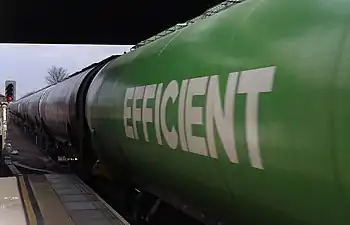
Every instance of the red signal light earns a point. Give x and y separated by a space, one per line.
9 99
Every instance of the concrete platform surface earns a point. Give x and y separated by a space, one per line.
53 199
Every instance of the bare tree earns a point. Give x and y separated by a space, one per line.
56 74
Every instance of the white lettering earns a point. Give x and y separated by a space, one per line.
252 82
156 113
224 121
136 112
171 92
197 86
181 112
219 120
129 94
147 115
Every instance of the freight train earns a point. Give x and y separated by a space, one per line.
240 115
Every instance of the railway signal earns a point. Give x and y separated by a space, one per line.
10 90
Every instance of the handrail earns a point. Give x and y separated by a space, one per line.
209 12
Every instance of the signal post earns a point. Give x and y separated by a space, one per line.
3 123
10 95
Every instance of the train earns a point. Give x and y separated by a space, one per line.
239 117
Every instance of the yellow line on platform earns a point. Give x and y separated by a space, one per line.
26 200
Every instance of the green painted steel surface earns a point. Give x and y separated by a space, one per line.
281 133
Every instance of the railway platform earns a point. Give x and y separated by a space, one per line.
37 192
53 199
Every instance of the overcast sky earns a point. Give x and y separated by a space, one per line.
28 64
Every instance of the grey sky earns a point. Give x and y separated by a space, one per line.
28 64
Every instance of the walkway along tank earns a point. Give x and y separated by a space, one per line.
243 114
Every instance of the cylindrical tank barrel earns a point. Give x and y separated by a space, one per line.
58 105
33 106
244 114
